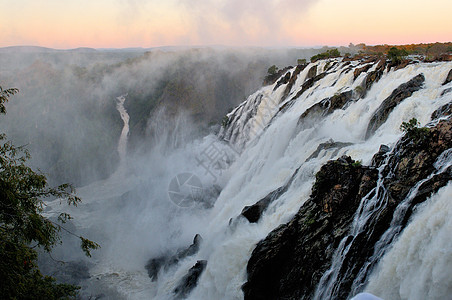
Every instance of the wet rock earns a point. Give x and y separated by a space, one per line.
404 91
312 72
290 261
358 71
190 280
373 76
446 91
287 264
379 157
327 146
272 78
254 212
283 80
448 78
403 64
154 265
327 106
292 81
443 111
306 85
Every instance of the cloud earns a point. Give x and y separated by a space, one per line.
243 22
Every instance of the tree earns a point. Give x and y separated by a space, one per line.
397 55
327 54
301 61
272 70
22 226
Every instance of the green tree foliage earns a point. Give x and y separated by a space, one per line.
22 226
397 55
413 130
301 61
272 70
327 54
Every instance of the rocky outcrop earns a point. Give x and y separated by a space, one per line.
358 71
327 146
448 78
404 91
306 85
443 111
154 265
290 261
272 78
327 106
312 72
283 80
292 81
190 280
254 212
378 158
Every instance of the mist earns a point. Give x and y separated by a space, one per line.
66 109
66 114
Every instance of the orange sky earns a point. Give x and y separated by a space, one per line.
150 23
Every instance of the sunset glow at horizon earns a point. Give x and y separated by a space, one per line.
150 23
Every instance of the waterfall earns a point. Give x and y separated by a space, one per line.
418 265
122 143
279 137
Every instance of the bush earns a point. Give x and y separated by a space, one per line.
413 131
397 55
272 70
327 54
301 61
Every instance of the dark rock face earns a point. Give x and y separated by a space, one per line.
327 106
272 78
328 145
254 212
443 111
292 80
446 91
290 261
283 80
398 95
378 158
312 72
154 265
373 76
448 78
358 71
306 85
190 280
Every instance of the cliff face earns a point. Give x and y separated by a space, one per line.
295 258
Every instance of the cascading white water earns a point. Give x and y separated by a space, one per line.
277 146
418 266
122 144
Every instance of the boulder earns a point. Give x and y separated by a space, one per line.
327 106
358 71
443 111
292 81
154 265
448 78
283 80
190 280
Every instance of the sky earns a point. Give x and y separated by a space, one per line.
64 24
